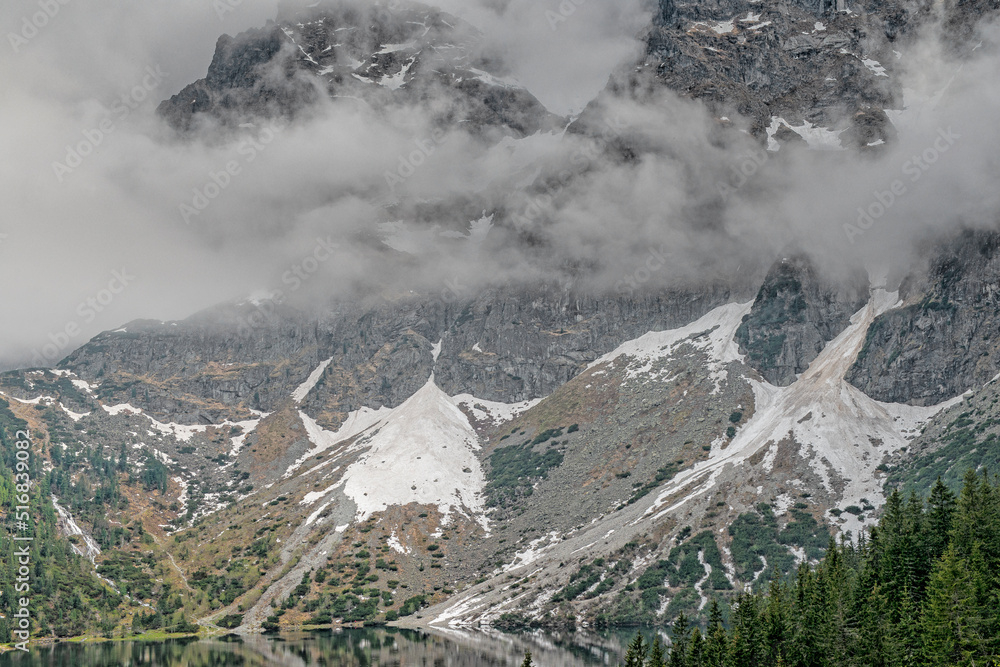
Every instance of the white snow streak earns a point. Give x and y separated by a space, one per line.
357 422
71 528
491 411
846 434
303 389
817 138
75 416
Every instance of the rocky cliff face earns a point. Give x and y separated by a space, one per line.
384 55
506 344
942 342
822 71
564 454
795 315
805 62
393 436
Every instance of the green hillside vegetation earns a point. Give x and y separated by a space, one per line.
922 590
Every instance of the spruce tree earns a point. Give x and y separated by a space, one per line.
716 642
527 660
776 625
679 643
941 509
747 645
950 619
656 656
696 652
636 654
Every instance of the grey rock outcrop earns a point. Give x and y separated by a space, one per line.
506 344
943 341
795 315
803 60
381 55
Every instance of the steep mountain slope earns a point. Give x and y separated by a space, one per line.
506 344
820 72
662 450
382 54
796 313
754 505
960 439
526 454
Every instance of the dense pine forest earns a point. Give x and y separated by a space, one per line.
923 588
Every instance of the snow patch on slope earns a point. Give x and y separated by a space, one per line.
874 66
356 423
47 400
70 528
115 410
75 416
817 138
426 443
712 334
491 411
394 544
248 427
535 549
313 496
843 433
303 389
184 432
424 453
181 432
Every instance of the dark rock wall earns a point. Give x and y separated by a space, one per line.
945 340
795 315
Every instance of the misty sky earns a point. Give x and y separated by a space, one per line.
63 235
91 247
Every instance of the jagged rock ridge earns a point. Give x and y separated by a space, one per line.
381 54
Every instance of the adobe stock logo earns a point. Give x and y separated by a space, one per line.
33 24
914 168
655 260
248 150
409 163
87 310
566 9
120 110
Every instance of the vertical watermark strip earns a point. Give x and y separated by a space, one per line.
22 537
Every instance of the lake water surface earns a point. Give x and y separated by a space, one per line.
366 647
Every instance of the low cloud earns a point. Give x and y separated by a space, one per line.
352 199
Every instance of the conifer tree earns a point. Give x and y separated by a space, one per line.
527 660
716 642
776 625
747 644
950 623
656 655
636 654
941 508
696 652
680 641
